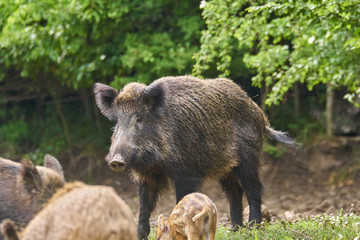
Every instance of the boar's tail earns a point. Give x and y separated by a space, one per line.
282 137
199 215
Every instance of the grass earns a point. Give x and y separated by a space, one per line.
319 227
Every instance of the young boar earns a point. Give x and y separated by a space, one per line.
25 188
187 130
193 218
79 211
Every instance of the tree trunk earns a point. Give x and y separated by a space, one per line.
85 99
64 122
329 109
66 131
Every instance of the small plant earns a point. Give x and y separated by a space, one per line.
274 151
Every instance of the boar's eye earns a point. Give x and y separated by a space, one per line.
139 123
139 120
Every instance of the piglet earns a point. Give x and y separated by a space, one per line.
193 218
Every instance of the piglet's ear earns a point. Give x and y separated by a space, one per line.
104 97
161 224
30 176
8 229
52 163
160 221
154 97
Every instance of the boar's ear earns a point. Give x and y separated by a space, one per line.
154 97
104 97
8 229
52 163
30 176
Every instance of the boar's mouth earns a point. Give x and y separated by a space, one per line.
117 163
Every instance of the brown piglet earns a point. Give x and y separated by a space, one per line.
79 211
193 218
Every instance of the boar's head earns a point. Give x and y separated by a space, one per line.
40 183
35 185
137 110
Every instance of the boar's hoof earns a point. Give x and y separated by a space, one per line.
117 164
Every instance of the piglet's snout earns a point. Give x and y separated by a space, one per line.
117 163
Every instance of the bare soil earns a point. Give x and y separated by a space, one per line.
321 178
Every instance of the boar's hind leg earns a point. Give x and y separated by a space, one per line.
185 185
249 180
148 196
234 192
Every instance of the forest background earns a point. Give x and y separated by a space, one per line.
299 60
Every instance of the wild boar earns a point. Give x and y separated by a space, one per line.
79 211
187 130
193 218
26 188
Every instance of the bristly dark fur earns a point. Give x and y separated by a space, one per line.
154 96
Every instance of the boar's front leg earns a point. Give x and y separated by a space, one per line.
148 196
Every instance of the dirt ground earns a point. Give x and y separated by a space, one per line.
321 178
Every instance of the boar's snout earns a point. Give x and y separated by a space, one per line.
117 163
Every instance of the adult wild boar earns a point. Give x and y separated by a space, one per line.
187 130
25 188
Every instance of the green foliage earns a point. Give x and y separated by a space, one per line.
307 125
319 227
288 41
274 151
21 131
77 42
14 134
50 47
32 135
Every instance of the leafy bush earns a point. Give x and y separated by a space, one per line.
311 42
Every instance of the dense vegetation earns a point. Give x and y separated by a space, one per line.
285 42
53 51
